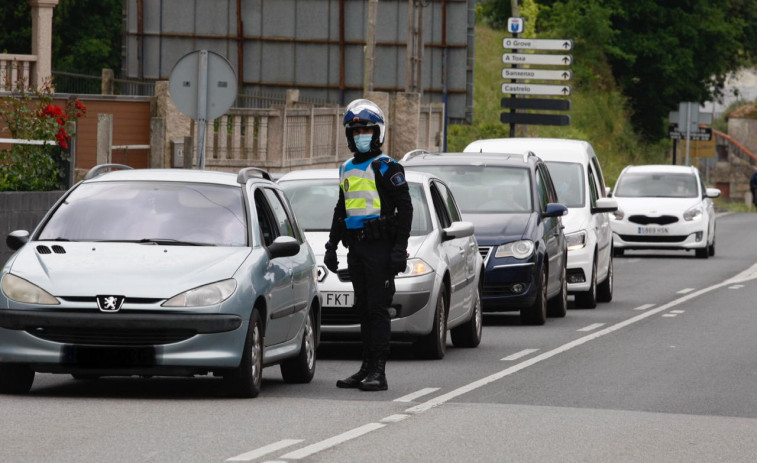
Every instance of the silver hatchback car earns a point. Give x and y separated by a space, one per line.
439 289
161 272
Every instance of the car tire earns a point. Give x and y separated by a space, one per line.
711 248
588 299
15 378
433 346
537 313
469 333
301 369
245 380
604 289
557 307
702 253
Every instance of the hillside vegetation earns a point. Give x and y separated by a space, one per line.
599 116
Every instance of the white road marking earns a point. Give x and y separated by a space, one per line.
751 273
644 307
736 287
249 456
670 315
685 290
677 311
520 354
416 394
591 327
395 418
332 441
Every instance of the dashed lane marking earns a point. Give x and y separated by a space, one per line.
520 354
416 394
395 418
333 441
257 453
591 327
685 290
644 307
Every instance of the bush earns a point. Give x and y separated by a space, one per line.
31 115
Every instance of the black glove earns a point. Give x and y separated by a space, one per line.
330 261
398 260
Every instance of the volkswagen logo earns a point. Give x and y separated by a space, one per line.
110 303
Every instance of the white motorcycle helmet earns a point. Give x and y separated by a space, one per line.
364 113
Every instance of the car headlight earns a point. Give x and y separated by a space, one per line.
575 240
519 249
211 294
693 213
415 267
21 290
618 214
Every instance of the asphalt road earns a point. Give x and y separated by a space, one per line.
666 372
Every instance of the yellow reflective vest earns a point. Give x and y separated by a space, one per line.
361 197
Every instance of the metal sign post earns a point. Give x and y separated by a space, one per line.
203 86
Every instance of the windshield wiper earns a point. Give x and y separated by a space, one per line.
171 242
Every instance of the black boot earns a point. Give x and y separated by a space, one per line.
376 379
354 381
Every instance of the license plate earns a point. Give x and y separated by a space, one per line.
653 231
342 299
104 357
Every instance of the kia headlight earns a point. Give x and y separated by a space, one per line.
575 240
415 267
211 294
693 213
20 290
522 249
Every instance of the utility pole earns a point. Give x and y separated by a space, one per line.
414 47
515 14
370 47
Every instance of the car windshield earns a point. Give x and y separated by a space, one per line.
314 200
656 185
150 212
568 179
485 190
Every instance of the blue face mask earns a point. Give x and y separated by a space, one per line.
363 142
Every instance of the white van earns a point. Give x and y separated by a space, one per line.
577 176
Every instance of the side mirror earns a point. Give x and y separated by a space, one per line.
284 246
713 192
605 205
16 239
457 230
555 210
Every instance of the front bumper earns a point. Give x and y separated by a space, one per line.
627 236
508 287
55 341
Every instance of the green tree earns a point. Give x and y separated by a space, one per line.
86 33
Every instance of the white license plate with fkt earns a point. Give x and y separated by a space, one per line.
653 230
338 299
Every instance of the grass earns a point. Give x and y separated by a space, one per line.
599 116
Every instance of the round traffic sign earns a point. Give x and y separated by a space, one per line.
211 71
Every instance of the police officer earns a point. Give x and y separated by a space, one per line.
372 218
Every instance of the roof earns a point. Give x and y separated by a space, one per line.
305 174
661 168
169 175
545 148
479 159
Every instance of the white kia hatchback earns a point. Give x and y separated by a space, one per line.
580 186
664 207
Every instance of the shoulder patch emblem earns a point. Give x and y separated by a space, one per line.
398 179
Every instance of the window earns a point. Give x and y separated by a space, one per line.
449 202
441 211
283 223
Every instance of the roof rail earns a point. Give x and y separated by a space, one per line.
97 170
244 174
413 153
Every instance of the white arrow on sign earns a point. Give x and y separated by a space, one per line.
537 44
536 89
532 58
536 74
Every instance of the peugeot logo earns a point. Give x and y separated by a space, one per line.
110 303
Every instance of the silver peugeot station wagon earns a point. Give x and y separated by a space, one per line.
161 272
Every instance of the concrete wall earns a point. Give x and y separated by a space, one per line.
22 210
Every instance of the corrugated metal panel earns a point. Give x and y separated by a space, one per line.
298 44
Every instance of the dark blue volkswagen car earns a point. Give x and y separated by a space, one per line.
513 205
